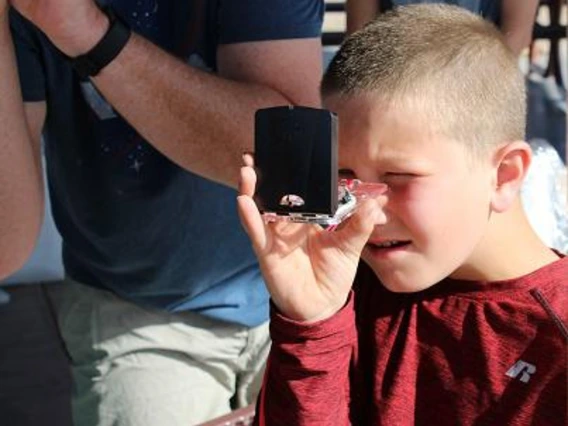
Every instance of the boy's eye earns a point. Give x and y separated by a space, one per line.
399 174
346 174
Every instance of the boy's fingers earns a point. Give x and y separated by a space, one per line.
248 211
358 229
252 222
247 181
248 159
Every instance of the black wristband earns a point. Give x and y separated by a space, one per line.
112 43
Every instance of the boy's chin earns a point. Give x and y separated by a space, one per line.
398 287
403 278
401 285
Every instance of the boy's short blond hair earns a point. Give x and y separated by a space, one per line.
449 62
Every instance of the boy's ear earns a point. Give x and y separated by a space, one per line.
511 163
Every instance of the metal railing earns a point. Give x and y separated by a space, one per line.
555 31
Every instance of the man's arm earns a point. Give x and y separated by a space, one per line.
517 20
202 121
21 188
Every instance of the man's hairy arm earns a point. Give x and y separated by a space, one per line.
201 121
21 189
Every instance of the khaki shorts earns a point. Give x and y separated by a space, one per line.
140 367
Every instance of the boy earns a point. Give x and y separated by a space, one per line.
458 315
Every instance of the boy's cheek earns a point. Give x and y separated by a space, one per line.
402 202
409 190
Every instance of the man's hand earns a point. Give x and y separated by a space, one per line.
308 271
74 26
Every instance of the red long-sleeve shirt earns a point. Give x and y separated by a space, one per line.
460 353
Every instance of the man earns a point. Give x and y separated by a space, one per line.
164 311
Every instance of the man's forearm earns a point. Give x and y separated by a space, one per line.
21 190
200 121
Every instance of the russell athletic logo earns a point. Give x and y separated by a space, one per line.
521 370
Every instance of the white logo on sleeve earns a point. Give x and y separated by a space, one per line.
522 369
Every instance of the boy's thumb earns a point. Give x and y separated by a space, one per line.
360 225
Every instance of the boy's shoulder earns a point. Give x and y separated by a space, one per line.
542 295
551 292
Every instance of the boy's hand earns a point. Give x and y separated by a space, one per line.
308 271
74 26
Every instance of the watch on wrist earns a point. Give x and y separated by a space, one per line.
108 48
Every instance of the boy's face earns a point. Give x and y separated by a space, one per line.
439 197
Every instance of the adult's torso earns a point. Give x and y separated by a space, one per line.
132 221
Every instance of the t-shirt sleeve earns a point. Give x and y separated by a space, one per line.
30 67
258 20
307 374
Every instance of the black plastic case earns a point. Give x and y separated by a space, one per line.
296 162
